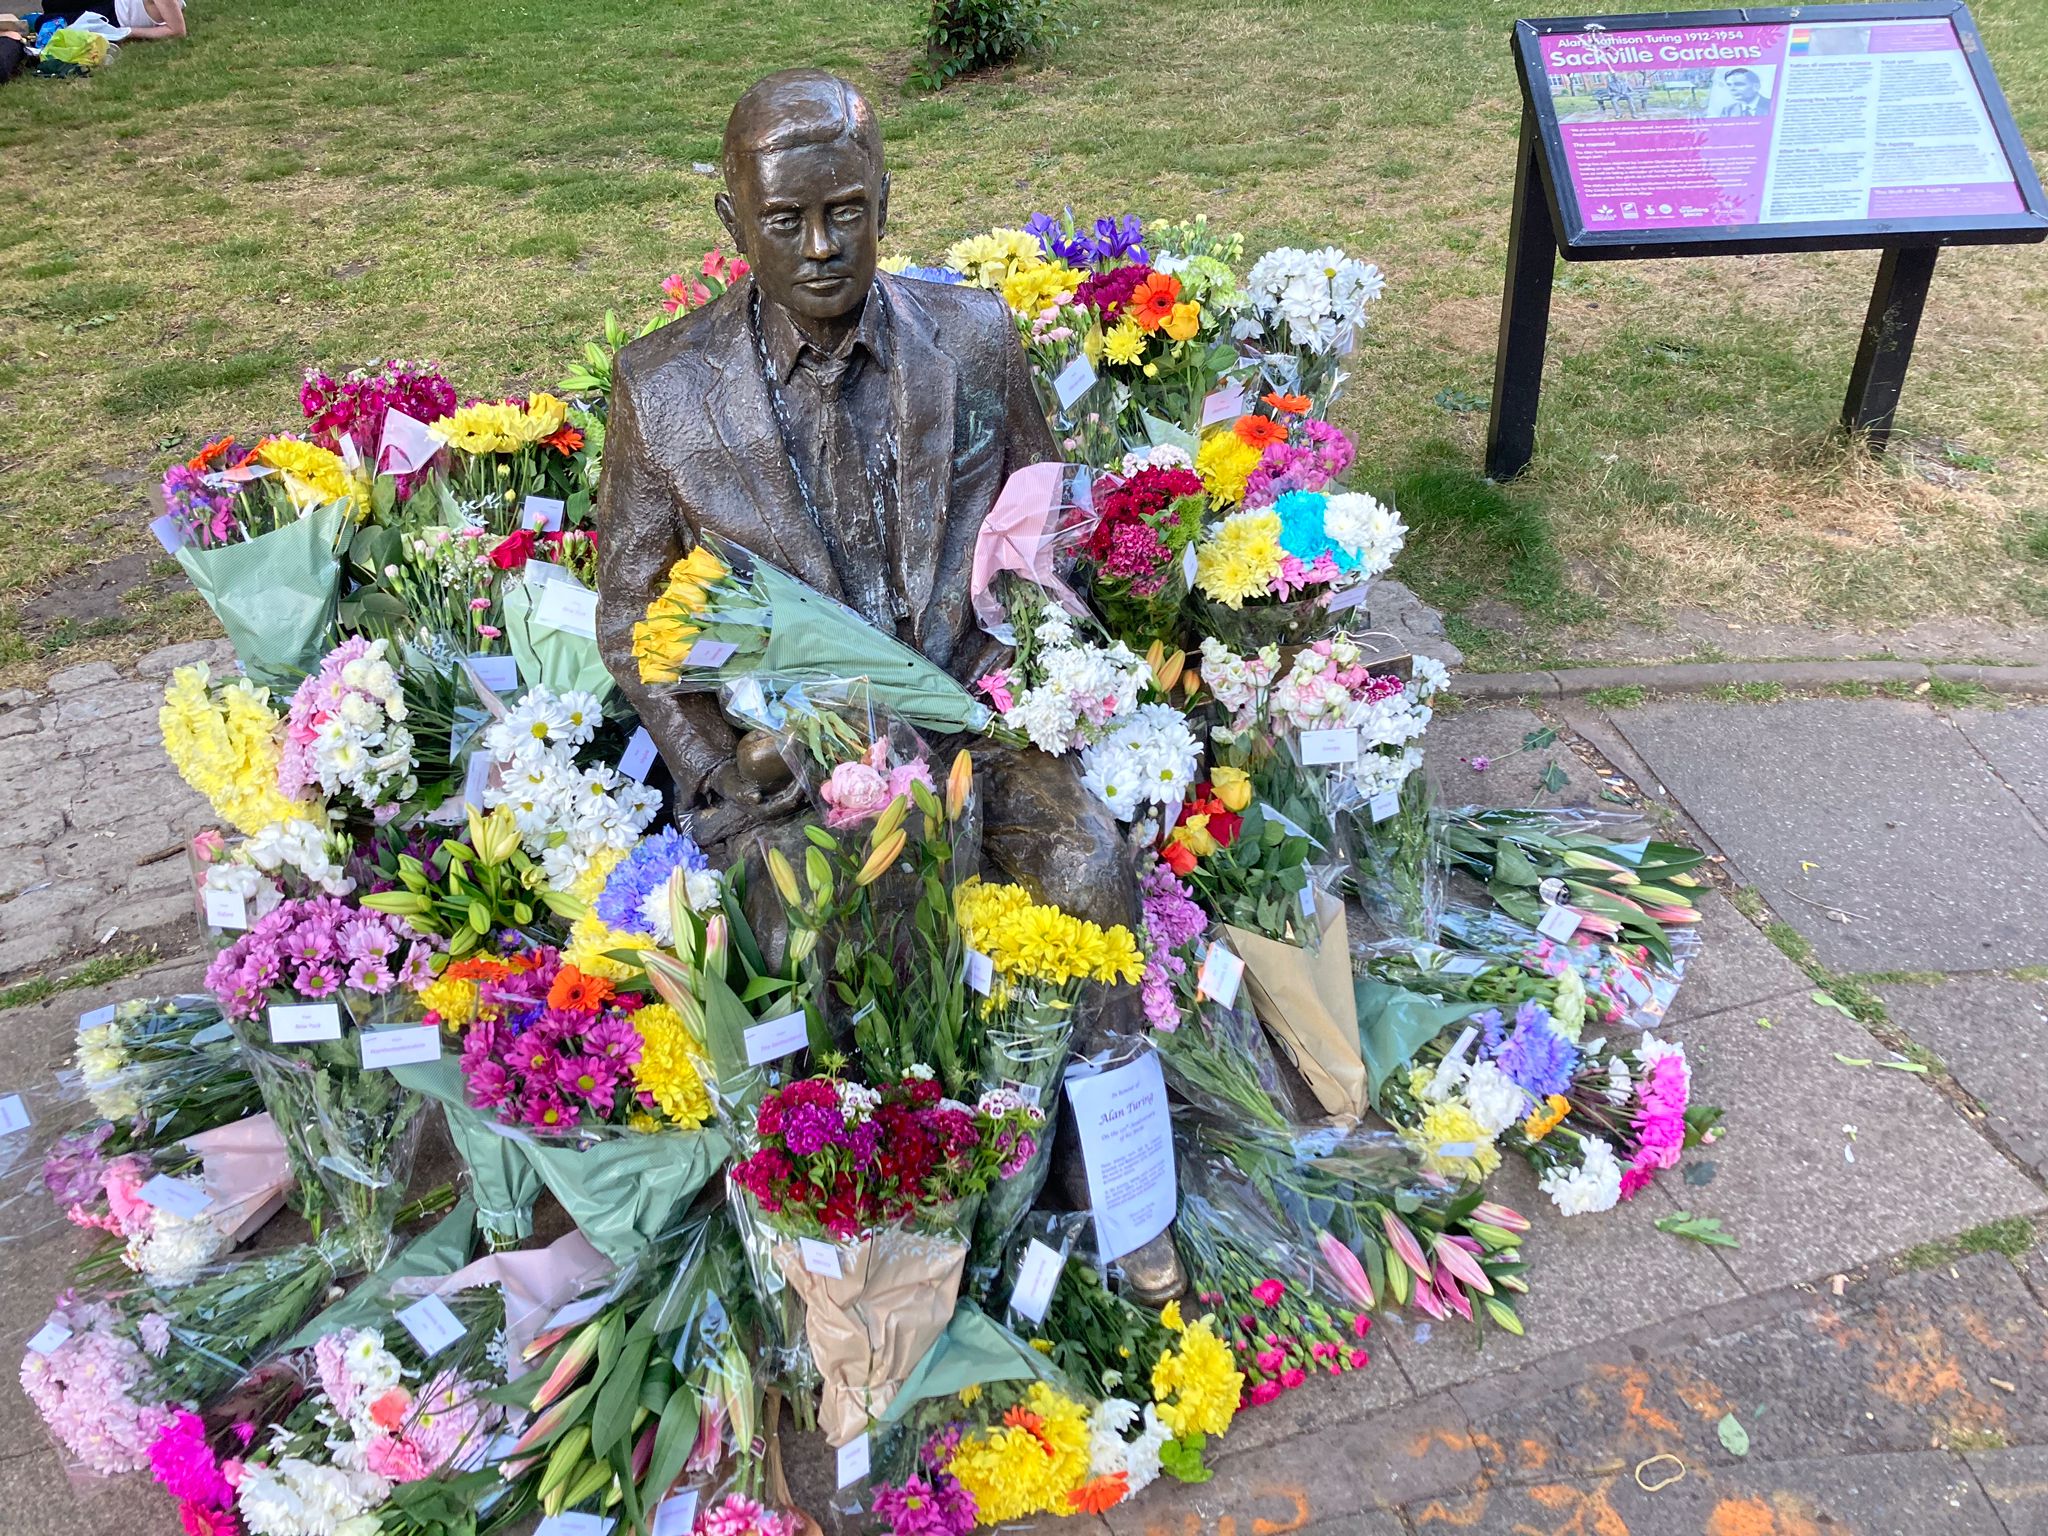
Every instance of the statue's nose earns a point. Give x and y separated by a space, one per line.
818 242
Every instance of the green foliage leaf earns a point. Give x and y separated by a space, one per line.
1733 1436
1701 1229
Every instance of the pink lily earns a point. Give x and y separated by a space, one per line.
1447 1291
581 1351
1460 1265
1673 914
1344 1264
1405 1246
1427 1300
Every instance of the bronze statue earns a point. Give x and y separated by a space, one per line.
853 428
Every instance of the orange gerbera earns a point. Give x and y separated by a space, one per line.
1023 1418
478 968
1259 431
1287 405
578 993
1099 1494
564 439
1151 303
213 453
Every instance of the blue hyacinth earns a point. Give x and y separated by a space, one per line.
641 873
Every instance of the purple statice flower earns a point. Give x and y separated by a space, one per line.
71 1171
1537 1057
205 514
643 873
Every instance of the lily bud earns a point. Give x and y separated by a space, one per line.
818 870
1344 1264
717 935
1405 1247
1168 672
1461 1265
581 1351
1495 1214
890 819
880 860
785 877
959 784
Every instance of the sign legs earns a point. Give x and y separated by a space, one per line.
1887 346
1524 316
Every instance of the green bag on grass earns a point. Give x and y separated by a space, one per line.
276 595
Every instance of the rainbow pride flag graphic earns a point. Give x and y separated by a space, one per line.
1801 42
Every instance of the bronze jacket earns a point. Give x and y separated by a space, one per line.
692 445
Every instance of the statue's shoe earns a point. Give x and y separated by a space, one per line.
1155 1272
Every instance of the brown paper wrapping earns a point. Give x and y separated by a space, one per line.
869 1328
1306 1000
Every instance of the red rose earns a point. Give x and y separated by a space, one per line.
513 551
1178 858
1224 827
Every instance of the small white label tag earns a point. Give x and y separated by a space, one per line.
1074 381
1385 804
1308 901
168 532
1346 597
543 514
1558 923
500 674
226 909
773 1039
575 1522
853 1460
638 757
432 1326
1030 1093
1190 565
1465 1039
1457 1149
1225 404
567 607
676 1515
710 653
48 1337
1221 974
1038 1272
534 572
1337 744
302 1022
1634 988
1463 965
97 1017
820 1258
405 1046
178 1196
979 972
13 1115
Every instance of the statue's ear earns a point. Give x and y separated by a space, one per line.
882 208
730 218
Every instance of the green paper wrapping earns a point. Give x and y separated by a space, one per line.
972 1350
621 1191
277 595
552 658
1394 1023
440 1250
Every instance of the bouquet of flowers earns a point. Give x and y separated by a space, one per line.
309 971
867 1185
1622 983
157 1070
355 410
1040 961
1271 574
260 538
634 912
1309 307
1136 554
726 616
503 451
345 734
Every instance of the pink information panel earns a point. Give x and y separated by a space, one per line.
1822 122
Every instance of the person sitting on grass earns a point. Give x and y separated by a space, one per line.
143 19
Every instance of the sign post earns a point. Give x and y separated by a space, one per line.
1750 132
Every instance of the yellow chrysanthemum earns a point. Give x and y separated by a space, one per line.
1031 942
1549 1117
988 260
1225 462
312 476
1169 1317
1452 1142
224 743
589 882
592 942
1240 560
1125 343
501 426
452 998
1030 1463
1030 290
1195 1384
668 1066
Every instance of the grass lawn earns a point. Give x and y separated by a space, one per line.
336 180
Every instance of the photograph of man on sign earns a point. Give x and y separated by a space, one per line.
1745 93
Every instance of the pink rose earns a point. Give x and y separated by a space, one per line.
852 794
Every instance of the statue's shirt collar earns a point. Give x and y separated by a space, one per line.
785 346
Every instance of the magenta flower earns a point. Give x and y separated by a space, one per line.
1267 1293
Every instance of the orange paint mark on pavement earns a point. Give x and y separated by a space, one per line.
1586 1511
1756 1517
1633 1382
1261 1526
1192 1523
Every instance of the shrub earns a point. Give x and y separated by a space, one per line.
964 35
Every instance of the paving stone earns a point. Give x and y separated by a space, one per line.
18 698
1992 1033
1735 966
162 662
21 868
133 915
2016 1481
19 723
1495 731
1328 1476
76 679
103 800
1780 1180
2016 742
1326 1400
1930 1493
1903 824
104 703
1639 1274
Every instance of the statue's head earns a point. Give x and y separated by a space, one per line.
805 196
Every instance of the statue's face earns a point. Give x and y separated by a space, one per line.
809 219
